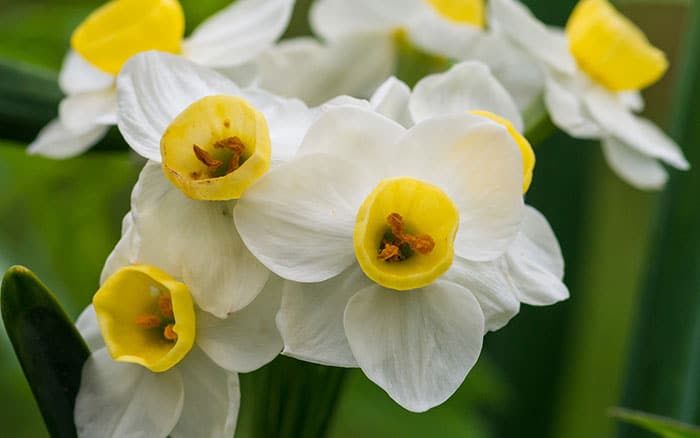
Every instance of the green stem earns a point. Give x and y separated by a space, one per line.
288 399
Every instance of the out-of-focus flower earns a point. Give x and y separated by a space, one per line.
101 45
158 358
594 71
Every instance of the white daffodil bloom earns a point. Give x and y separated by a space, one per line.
533 261
160 365
375 32
594 71
446 27
207 140
400 233
230 40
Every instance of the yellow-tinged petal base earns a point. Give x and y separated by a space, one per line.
611 49
122 28
429 221
216 148
461 11
524 146
146 317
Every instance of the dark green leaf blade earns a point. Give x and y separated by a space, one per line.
47 344
665 427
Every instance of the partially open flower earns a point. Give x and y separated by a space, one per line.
594 72
103 43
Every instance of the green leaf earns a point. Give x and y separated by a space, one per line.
47 344
665 427
664 364
29 98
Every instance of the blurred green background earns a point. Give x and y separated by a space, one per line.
552 372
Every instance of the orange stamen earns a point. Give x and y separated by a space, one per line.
165 304
169 333
391 252
206 158
148 321
235 145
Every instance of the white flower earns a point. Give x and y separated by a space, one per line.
161 366
377 33
184 199
415 328
591 91
229 40
533 261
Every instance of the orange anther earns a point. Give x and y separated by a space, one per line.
206 158
390 253
165 304
148 321
169 333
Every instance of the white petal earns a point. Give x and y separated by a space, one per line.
535 263
79 76
566 107
631 100
212 399
126 251
634 131
298 219
311 318
153 88
638 170
333 19
55 140
239 32
195 241
514 68
124 399
315 73
489 284
356 135
466 86
80 112
89 329
247 339
479 166
515 20
287 119
391 100
417 345
434 34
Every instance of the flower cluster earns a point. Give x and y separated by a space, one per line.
298 198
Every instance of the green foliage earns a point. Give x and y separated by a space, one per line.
665 427
48 346
664 367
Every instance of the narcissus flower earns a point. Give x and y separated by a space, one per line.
102 44
402 232
207 140
158 359
594 71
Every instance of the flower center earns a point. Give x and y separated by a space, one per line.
397 245
146 317
216 148
120 29
404 233
461 11
611 49
525 149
